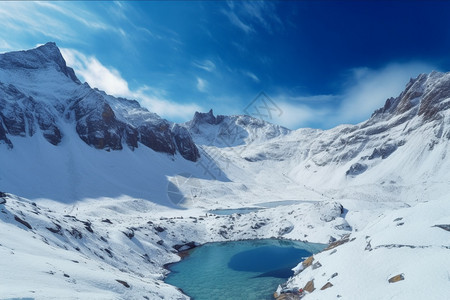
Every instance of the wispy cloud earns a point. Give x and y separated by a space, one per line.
59 21
96 74
236 21
248 15
206 65
108 79
154 101
15 16
302 111
78 14
251 76
201 84
298 115
262 12
366 90
4 46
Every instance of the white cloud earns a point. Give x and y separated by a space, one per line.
63 22
96 74
262 12
297 115
4 46
201 84
247 15
251 75
155 102
82 16
369 89
91 70
236 21
206 65
301 111
15 16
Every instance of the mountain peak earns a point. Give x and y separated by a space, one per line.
426 95
208 117
42 57
51 52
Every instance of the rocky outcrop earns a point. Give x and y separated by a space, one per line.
184 143
309 286
423 96
356 169
19 115
96 124
443 226
396 278
326 286
208 118
231 131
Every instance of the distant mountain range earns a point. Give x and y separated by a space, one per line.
403 143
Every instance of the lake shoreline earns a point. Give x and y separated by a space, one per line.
252 252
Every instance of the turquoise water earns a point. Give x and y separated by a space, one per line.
247 270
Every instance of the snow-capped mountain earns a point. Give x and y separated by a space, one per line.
231 131
101 193
404 143
40 94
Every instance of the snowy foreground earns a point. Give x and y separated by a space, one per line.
117 248
411 245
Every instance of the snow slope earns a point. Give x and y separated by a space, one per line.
406 242
116 248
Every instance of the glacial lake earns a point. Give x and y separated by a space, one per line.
250 270
230 211
259 206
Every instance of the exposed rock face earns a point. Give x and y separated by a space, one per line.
208 118
96 124
229 131
20 113
38 92
423 96
184 143
356 169
383 152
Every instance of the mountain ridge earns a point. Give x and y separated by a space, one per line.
50 93
46 100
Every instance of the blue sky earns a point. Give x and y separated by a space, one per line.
322 63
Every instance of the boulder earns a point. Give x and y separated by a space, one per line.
309 287
396 278
327 285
